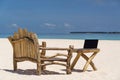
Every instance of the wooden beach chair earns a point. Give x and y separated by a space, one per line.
90 46
26 48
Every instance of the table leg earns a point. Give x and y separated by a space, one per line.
75 60
89 61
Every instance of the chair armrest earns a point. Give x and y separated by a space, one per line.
58 54
52 48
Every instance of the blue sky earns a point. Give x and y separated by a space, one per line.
59 16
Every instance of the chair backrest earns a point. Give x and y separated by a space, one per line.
25 44
90 43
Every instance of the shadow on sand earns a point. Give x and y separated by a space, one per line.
78 70
33 72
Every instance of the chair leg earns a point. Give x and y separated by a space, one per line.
43 54
15 65
68 69
69 59
38 68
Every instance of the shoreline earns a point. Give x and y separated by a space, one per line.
70 39
75 36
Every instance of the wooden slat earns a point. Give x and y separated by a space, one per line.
16 36
20 32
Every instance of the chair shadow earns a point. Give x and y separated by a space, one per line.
33 72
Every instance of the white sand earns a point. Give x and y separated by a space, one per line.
107 62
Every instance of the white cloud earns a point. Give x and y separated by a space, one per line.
67 25
14 25
49 24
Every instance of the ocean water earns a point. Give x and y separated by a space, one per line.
103 36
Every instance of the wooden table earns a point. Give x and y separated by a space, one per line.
82 53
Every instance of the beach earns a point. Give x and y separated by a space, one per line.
107 62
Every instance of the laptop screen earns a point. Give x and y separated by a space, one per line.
90 43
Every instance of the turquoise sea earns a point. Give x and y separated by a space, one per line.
100 36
